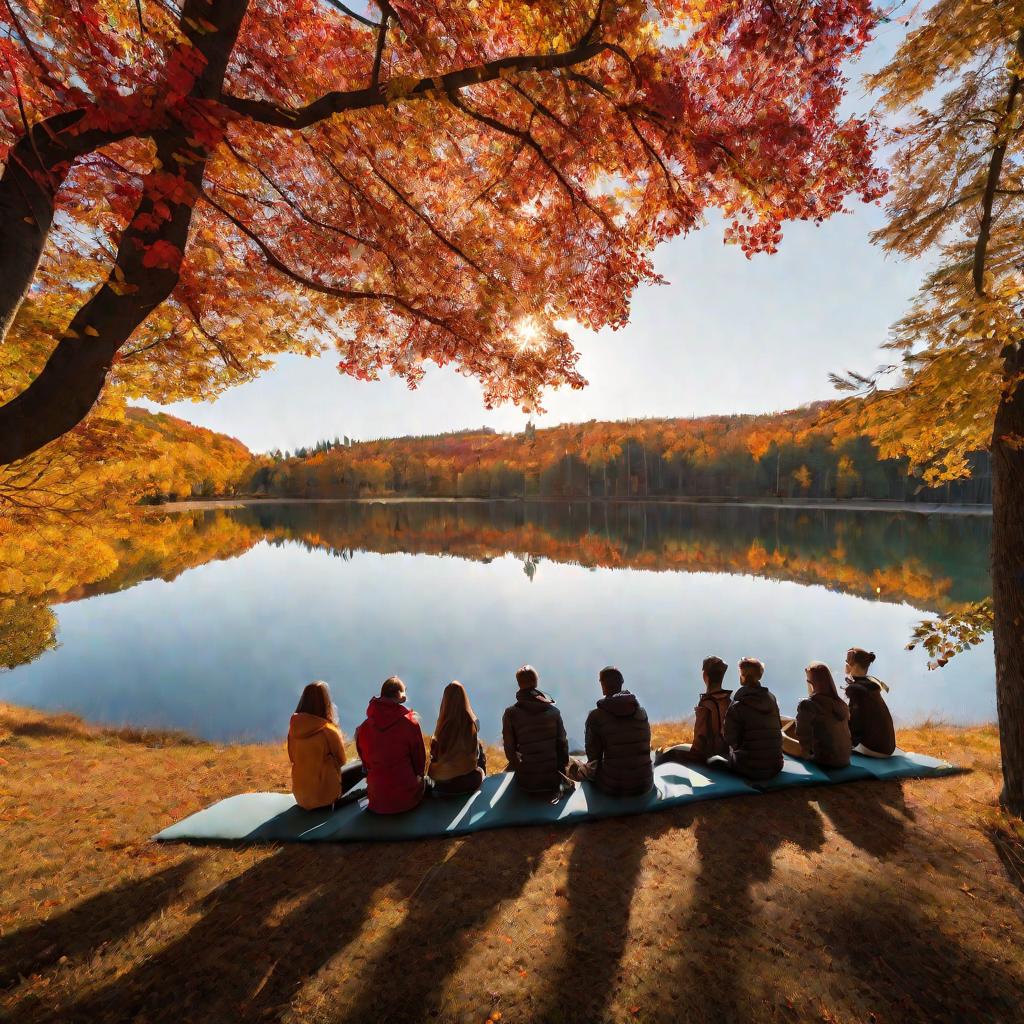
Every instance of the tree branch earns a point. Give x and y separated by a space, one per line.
360 99
308 282
339 6
995 170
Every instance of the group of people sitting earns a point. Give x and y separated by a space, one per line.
740 729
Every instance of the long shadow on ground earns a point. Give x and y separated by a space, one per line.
450 907
261 935
101 919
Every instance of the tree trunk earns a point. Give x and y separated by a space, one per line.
1008 579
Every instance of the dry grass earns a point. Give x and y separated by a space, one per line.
885 902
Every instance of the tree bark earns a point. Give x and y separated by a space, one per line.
36 168
1008 578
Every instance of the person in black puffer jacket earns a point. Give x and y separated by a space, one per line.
753 727
534 737
871 725
618 741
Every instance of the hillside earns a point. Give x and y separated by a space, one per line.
790 454
192 461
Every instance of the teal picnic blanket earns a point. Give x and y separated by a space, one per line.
499 803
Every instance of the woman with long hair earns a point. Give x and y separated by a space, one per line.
321 771
821 732
457 761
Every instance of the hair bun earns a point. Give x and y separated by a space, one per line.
871 657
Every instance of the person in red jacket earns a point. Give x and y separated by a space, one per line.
390 745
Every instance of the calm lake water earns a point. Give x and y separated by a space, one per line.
213 621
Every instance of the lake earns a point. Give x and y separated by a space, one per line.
213 620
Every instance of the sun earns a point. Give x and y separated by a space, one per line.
528 335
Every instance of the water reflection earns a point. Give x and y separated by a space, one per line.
224 648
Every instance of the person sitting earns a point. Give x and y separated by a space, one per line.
457 761
871 725
821 731
618 741
752 727
390 744
534 737
709 714
320 769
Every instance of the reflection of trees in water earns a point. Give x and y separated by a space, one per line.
932 562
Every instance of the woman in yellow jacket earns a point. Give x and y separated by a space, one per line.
320 770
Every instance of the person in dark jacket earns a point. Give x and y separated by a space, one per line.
871 725
709 714
390 745
821 730
618 741
534 737
752 727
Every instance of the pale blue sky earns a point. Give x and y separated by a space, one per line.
726 334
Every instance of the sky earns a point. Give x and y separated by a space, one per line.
726 334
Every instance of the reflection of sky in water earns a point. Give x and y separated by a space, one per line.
224 650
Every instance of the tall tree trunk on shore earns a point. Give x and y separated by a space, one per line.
1008 578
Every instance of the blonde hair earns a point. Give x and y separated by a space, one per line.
456 729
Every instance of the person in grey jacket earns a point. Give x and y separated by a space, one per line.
821 732
534 737
618 741
753 727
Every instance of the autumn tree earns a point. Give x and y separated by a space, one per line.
190 188
958 174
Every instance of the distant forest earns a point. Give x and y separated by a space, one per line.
787 455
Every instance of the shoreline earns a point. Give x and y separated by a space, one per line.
854 505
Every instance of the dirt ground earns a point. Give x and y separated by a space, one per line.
882 902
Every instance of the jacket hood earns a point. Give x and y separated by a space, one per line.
303 725
757 698
534 700
384 713
623 704
718 696
868 682
829 705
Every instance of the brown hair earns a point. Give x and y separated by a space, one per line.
751 670
527 677
611 677
715 668
316 700
858 656
456 730
392 688
821 678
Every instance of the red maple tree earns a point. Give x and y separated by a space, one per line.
191 189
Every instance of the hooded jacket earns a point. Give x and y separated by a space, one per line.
870 721
535 742
823 729
707 726
618 743
390 744
753 731
317 752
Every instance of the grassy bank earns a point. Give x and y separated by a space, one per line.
885 902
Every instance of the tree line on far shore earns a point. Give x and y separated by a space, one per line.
794 454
